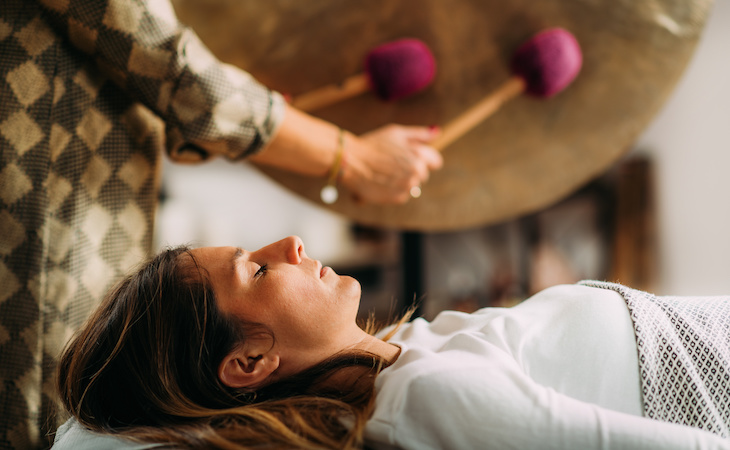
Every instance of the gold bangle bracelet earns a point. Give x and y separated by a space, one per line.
329 192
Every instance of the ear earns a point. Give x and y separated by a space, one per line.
247 366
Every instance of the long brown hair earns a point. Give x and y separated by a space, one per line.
145 366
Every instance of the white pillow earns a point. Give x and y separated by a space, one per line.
72 436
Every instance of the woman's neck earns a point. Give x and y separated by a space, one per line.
371 344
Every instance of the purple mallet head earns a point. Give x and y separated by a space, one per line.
548 62
400 68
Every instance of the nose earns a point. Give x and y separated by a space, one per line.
294 249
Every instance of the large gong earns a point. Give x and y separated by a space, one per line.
529 154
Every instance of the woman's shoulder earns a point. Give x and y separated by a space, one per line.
460 365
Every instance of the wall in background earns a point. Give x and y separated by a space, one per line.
220 203
689 143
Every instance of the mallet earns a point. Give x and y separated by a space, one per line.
393 70
542 66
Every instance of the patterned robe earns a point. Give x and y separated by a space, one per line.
91 91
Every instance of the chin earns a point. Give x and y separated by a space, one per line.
355 286
351 288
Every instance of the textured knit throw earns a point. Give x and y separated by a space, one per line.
684 356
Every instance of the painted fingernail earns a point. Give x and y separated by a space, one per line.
434 128
287 97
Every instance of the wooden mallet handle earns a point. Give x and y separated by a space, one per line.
475 115
331 94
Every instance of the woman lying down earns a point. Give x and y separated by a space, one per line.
226 348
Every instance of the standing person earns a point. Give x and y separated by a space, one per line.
92 90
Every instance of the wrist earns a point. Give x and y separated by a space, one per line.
329 192
354 171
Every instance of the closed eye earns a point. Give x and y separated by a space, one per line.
262 271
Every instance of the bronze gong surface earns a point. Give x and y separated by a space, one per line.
529 154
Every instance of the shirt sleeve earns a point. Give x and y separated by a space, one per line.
209 108
456 409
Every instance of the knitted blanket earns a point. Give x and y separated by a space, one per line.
684 356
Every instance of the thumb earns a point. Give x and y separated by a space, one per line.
430 156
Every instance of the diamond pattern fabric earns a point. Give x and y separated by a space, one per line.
684 356
91 92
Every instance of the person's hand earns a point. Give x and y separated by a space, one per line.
382 166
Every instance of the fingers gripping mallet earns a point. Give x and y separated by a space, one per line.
542 66
392 71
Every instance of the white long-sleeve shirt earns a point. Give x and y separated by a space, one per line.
559 371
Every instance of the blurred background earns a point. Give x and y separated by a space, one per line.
657 220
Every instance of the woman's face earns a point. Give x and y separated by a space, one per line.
309 308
